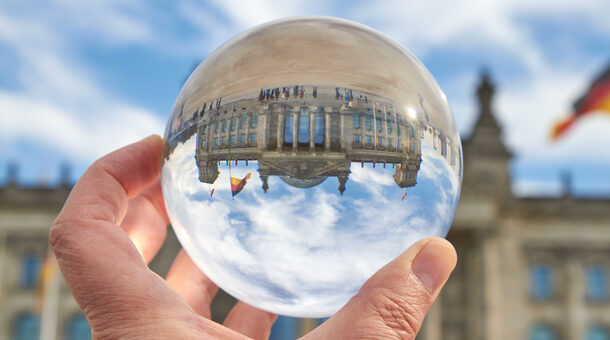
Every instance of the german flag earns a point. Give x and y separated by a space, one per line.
596 99
237 185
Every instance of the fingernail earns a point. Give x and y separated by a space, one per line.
433 264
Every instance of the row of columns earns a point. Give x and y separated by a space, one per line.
295 129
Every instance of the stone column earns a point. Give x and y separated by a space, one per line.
342 117
3 255
208 138
248 121
295 130
433 322
312 126
395 128
280 131
574 288
492 262
327 111
385 126
261 131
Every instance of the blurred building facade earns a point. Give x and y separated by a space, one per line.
528 268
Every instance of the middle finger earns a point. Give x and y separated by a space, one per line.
146 221
195 287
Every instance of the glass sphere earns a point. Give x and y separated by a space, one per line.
302 156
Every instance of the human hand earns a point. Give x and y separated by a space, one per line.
114 222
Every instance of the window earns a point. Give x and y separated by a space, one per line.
318 130
30 270
368 123
288 121
216 141
597 333
356 138
389 141
232 140
379 140
224 140
217 126
203 143
78 328
542 332
242 121
233 123
253 138
242 138
389 126
285 327
379 127
254 120
541 282
303 133
26 327
597 283
224 125
356 118
369 139
411 131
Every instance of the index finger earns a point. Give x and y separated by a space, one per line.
102 192
95 255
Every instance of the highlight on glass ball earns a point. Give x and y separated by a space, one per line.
302 156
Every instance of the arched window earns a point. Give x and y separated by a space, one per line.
368 123
597 283
541 282
318 131
26 327
30 270
288 126
542 332
78 328
597 333
303 133
356 120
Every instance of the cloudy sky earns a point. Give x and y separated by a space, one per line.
81 78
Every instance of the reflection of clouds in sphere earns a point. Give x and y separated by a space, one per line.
303 247
346 171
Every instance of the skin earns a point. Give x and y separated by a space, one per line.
114 222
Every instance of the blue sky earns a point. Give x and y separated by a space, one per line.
81 78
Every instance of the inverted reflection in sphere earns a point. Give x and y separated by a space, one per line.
303 155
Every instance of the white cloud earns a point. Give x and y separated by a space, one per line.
59 104
58 82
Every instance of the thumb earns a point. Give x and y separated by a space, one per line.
393 302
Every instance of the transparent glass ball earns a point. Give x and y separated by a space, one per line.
303 155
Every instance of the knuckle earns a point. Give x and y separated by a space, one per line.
54 234
400 314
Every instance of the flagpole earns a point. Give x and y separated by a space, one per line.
50 301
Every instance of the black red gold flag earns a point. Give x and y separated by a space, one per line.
237 185
596 99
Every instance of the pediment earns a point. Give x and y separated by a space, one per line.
304 168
